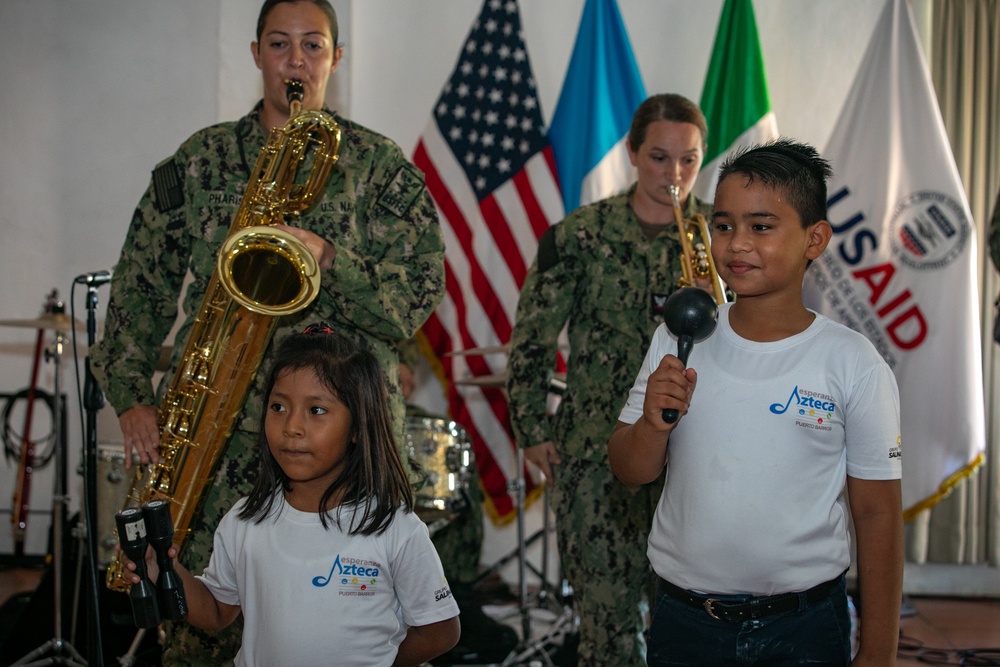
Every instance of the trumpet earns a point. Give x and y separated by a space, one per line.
696 246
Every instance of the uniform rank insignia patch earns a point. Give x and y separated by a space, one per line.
399 195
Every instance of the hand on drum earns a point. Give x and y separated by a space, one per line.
142 433
544 456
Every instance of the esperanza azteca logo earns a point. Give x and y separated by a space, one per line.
816 407
353 576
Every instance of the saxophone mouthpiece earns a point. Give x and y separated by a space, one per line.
294 90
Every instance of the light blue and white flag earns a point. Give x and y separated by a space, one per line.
600 93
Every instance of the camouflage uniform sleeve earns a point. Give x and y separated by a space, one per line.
409 352
391 290
142 305
547 298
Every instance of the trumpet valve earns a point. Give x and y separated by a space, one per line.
703 266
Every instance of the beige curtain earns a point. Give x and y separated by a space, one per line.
964 58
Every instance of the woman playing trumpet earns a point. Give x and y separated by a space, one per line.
606 269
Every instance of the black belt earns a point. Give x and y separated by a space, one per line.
758 607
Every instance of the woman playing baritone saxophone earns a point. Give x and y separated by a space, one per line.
607 270
325 558
374 233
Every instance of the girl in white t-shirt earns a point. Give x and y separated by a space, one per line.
325 559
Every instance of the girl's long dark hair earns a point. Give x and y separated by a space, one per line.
373 476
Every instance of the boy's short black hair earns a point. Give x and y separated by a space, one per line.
796 169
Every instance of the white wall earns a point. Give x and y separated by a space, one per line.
95 92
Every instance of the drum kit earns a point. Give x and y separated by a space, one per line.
555 603
440 454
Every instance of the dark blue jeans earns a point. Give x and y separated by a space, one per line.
811 635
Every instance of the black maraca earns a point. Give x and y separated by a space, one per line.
690 314
132 538
160 532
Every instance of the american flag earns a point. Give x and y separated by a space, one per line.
489 168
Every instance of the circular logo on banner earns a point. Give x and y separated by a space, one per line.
928 230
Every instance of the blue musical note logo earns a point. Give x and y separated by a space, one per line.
321 581
779 409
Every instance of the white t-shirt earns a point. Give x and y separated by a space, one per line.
754 498
312 596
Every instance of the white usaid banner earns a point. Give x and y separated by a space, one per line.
901 267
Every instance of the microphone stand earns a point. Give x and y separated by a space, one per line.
93 401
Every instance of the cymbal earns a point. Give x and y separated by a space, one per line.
57 321
494 349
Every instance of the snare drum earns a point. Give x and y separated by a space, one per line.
441 457
113 483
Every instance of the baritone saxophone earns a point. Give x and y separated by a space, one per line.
696 246
261 274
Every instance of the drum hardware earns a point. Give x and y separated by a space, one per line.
559 602
26 454
493 349
557 381
489 349
548 597
491 380
59 650
56 321
112 489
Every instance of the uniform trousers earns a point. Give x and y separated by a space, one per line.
601 528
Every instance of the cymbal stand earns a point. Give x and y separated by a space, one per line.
565 621
58 650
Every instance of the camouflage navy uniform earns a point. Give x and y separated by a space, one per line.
386 279
597 271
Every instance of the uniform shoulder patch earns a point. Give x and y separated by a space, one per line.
167 191
402 190
548 252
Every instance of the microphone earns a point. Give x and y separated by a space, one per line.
133 540
689 314
96 278
169 587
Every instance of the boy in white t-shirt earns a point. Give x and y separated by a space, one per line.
792 413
